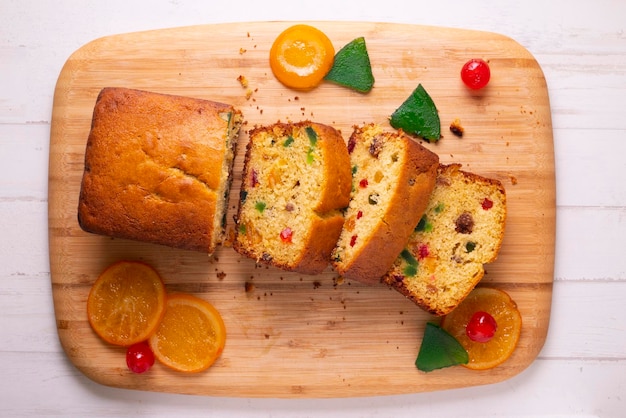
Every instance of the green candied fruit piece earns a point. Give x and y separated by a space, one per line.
242 229
439 208
352 68
409 270
423 225
309 156
260 206
312 135
355 168
418 116
439 349
411 263
470 246
408 257
288 141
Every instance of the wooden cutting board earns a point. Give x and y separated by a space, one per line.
292 335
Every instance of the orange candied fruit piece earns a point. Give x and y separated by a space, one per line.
126 303
498 304
301 56
191 335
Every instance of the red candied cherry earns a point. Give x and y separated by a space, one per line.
363 183
139 357
475 73
487 204
481 327
286 234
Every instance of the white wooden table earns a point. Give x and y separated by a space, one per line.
581 47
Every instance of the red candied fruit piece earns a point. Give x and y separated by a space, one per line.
254 179
286 234
139 357
353 240
363 183
481 327
487 204
359 214
422 251
351 145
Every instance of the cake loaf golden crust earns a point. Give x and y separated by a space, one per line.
157 168
393 177
296 180
462 229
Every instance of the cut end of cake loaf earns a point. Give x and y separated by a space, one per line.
158 168
461 230
393 177
295 182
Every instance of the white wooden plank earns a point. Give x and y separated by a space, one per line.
579 182
51 387
24 243
587 321
24 170
590 243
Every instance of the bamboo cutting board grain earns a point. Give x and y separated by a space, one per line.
292 335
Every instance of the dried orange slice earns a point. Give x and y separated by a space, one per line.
498 304
191 335
126 303
301 56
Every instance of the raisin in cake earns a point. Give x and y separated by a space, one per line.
296 181
393 177
158 168
461 230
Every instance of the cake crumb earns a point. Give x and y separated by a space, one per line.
221 275
456 128
243 81
229 238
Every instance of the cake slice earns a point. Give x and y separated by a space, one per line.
158 168
393 177
295 183
462 229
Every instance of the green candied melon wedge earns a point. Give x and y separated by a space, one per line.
418 116
439 349
352 67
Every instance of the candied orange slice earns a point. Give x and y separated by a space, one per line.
496 302
126 303
301 56
191 335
